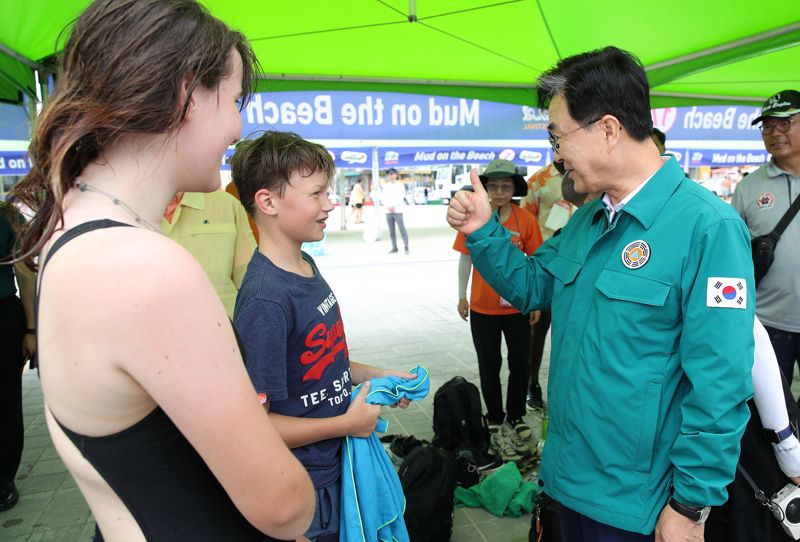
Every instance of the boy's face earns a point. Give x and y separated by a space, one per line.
304 207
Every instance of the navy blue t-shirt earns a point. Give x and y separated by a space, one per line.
294 343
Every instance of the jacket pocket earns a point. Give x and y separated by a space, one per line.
563 269
647 436
629 287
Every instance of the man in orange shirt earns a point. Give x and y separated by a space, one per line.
493 317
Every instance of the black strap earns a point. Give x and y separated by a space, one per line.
70 234
80 229
759 494
786 218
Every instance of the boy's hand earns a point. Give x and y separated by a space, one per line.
362 417
468 211
405 401
402 403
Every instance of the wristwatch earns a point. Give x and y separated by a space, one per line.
778 436
698 514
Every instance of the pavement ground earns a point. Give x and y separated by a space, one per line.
399 311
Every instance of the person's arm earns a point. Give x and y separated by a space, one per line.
191 366
363 373
524 282
464 270
245 243
718 367
26 279
716 353
360 420
769 398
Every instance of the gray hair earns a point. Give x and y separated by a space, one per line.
549 85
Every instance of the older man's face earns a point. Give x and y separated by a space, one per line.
576 146
781 145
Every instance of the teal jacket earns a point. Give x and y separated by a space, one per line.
651 357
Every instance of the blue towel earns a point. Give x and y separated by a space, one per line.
372 497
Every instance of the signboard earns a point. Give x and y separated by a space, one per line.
422 156
470 130
14 163
387 115
344 157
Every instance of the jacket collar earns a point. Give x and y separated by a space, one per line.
646 205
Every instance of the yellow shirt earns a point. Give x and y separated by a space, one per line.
214 228
357 194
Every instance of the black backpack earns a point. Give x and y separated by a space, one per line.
428 477
458 421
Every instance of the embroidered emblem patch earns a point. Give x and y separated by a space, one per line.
262 398
636 254
726 292
765 200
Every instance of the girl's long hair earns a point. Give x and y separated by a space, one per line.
121 72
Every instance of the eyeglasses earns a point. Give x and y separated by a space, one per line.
554 139
782 126
491 187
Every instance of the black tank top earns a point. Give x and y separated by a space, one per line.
162 480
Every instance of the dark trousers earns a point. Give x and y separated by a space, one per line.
576 527
538 335
12 331
486 332
787 349
397 218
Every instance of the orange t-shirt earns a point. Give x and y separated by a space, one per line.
526 236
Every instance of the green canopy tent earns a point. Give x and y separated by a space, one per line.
735 51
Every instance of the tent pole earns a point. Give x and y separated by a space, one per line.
733 51
16 56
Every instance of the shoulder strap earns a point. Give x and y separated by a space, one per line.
787 218
70 234
80 229
759 494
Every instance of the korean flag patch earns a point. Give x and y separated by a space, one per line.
726 292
